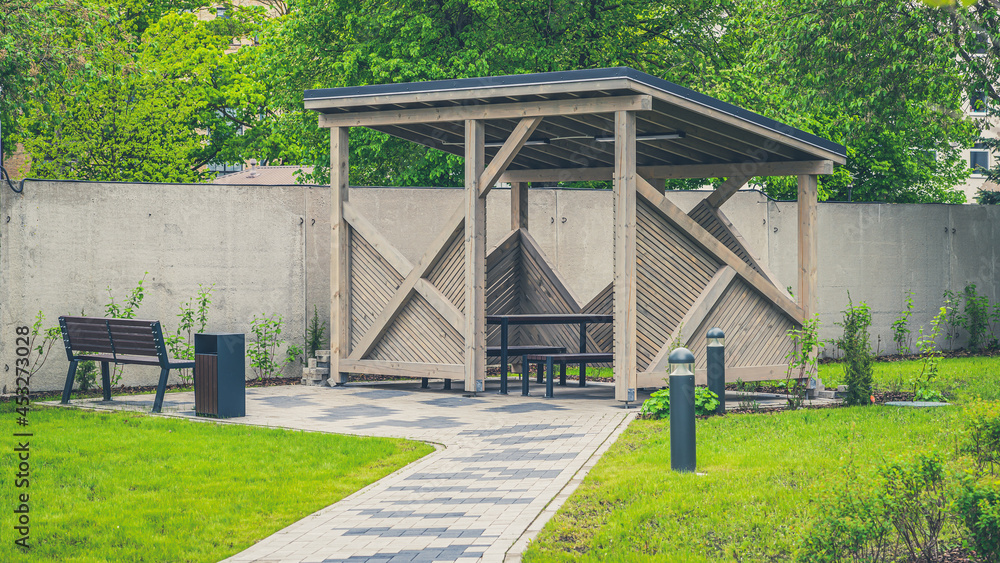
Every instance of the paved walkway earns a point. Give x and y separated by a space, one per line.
507 463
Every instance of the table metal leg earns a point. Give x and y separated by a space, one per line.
583 350
424 382
524 376
503 357
549 368
447 384
562 373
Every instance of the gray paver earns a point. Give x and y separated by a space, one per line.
505 458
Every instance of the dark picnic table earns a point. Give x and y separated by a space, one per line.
504 321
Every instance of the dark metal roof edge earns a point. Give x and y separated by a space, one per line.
580 76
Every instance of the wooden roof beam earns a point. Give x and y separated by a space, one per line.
793 168
506 154
642 102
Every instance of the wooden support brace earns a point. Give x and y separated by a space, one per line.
726 190
506 154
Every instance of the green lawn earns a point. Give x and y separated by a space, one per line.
763 475
131 487
961 378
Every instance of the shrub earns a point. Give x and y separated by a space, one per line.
856 345
902 509
802 360
977 505
181 343
263 351
86 375
658 404
916 503
953 318
901 326
314 334
982 431
705 401
927 345
977 315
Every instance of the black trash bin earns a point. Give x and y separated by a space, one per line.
220 375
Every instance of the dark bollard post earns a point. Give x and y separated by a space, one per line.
717 366
682 438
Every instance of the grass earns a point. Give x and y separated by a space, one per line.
762 476
960 378
131 487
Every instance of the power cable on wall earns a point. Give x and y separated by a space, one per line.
4 177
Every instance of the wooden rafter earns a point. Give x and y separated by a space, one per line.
487 111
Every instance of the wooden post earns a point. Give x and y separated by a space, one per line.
518 206
475 258
624 265
808 280
340 251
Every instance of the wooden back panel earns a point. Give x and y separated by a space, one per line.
121 337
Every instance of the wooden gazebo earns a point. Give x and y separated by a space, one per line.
675 274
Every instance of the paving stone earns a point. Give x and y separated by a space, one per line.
505 458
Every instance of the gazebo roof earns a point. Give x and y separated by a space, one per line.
678 131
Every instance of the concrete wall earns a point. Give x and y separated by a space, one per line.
266 249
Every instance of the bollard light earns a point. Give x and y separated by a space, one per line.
682 436
716 364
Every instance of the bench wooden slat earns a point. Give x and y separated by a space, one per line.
589 357
175 363
521 350
101 320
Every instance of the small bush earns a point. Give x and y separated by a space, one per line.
976 318
657 405
705 401
902 509
86 375
858 358
901 326
982 431
978 507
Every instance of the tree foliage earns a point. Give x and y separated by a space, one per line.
886 79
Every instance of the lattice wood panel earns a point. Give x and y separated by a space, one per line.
448 274
602 335
419 334
540 294
671 272
707 217
503 286
373 283
756 330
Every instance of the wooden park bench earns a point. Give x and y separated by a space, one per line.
117 341
546 365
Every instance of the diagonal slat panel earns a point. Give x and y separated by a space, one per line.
756 330
373 283
419 335
671 272
705 215
503 286
448 275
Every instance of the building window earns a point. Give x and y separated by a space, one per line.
978 103
980 44
979 159
225 167
220 12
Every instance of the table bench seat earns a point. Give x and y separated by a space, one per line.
546 365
